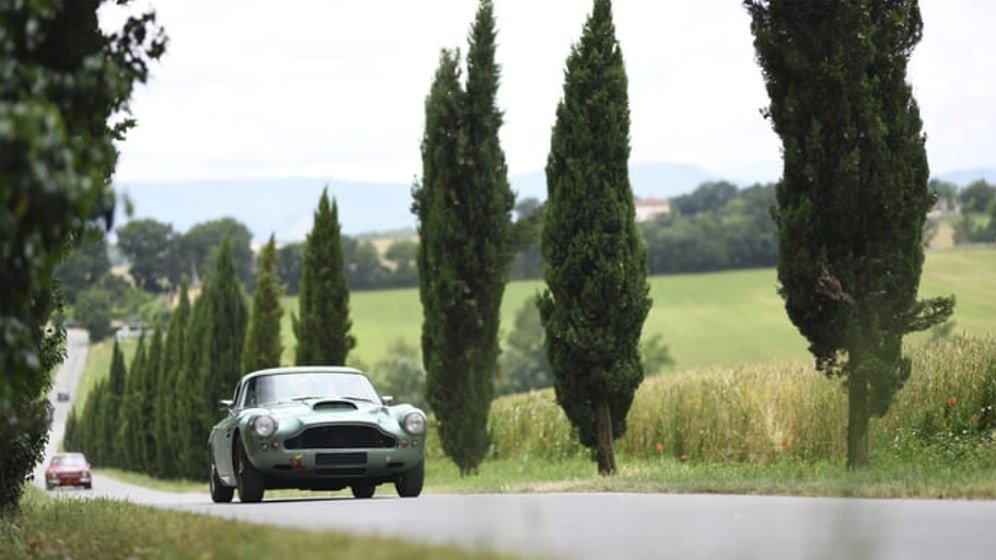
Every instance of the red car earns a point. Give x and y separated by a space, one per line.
68 469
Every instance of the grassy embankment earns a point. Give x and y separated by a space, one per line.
742 413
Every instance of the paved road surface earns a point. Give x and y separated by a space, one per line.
633 526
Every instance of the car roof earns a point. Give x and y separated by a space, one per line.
302 369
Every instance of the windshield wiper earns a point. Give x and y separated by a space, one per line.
353 398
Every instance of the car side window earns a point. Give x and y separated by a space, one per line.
237 394
250 393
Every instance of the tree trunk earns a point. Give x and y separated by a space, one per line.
858 414
605 453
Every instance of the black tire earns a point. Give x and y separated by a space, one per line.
249 479
363 491
220 494
409 484
49 486
88 486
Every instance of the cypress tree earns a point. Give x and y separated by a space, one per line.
71 438
171 394
483 213
150 383
91 423
219 324
597 295
446 377
323 329
191 402
853 197
263 345
109 411
129 424
464 208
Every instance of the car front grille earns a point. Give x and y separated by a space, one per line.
341 437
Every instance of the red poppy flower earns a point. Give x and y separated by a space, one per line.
952 401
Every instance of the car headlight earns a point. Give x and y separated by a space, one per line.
263 426
414 423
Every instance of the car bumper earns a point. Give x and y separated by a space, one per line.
335 463
330 469
54 481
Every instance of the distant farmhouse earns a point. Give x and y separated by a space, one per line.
648 208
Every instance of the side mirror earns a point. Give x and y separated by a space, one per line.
225 404
386 401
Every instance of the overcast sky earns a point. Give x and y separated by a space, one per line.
335 89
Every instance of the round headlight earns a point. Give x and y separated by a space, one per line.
414 423
263 426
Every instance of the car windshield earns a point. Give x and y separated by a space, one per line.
68 461
273 388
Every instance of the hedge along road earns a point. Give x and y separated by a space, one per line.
603 525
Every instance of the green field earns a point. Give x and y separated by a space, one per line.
720 319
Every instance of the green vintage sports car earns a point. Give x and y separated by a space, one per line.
314 428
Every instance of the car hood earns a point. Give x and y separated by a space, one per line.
321 410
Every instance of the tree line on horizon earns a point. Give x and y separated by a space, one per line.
715 227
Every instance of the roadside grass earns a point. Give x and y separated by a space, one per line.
58 528
752 430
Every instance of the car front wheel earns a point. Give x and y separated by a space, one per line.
249 478
220 494
409 484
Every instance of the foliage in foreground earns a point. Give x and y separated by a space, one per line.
61 83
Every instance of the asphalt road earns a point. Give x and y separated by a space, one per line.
609 525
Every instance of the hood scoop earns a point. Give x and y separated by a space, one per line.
334 405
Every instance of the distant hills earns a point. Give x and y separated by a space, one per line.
285 206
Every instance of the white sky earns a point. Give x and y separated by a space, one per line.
336 88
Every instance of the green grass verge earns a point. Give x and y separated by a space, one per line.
59 528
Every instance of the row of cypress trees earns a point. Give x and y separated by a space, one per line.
850 213
155 415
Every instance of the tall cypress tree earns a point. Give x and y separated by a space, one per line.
853 197
228 320
109 410
218 324
483 211
323 328
464 207
263 344
171 389
597 295
438 281
129 434
150 382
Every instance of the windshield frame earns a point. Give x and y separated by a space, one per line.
266 389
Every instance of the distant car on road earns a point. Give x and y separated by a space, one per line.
314 428
62 395
68 469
